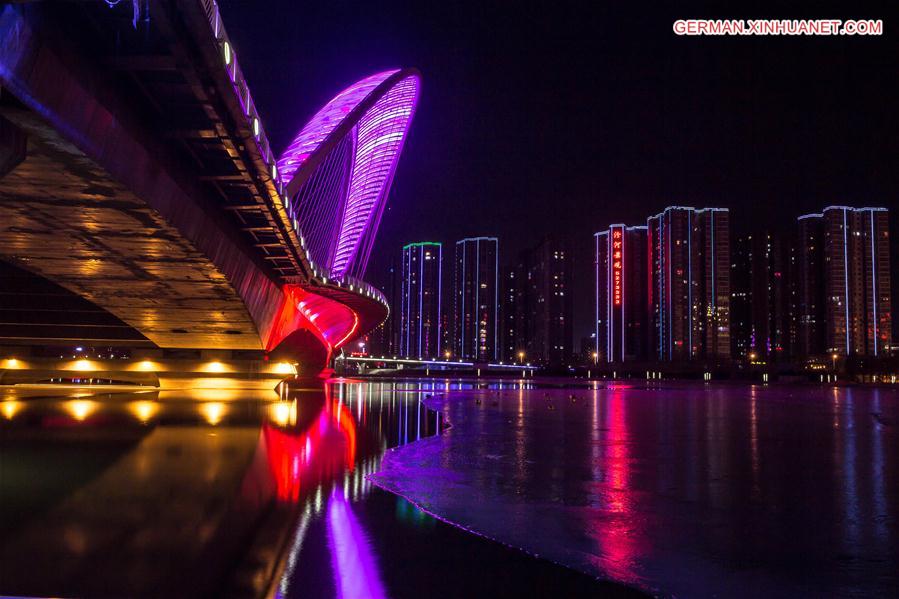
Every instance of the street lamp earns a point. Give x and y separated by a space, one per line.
595 358
521 357
833 358
447 354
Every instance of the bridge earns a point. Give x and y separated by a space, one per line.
137 183
388 363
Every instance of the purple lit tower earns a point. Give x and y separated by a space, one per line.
420 309
340 166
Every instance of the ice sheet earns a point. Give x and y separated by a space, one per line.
688 490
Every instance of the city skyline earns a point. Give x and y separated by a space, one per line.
763 292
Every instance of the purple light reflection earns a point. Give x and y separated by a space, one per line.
353 563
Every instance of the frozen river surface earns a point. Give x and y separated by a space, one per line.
687 490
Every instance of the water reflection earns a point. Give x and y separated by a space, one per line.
10 408
613 534
135 492
352 560
144 410
323 467
679 489
80 409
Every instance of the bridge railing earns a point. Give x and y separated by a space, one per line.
254 122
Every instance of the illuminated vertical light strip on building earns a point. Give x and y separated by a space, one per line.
617 244
623 304
669 287
602 300
404 310
649 270
690 283
439 297
846 274
616 263
660 254
462 300
404 304
610 325
596 296
477 299
714 289
873 280
664 247
495 296
421 293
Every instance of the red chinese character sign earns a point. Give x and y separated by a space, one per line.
617 263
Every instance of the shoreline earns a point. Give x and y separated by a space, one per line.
435 402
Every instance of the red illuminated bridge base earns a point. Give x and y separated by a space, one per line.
315 321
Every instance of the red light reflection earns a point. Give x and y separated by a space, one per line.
613 528
300 462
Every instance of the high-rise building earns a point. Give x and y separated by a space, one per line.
689 257
856 262
711 314
621 276
543 304
511 346
741 338
761 298
476 299
812 326
420 302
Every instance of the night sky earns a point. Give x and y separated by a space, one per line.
564 118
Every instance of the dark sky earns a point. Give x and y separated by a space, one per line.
564 118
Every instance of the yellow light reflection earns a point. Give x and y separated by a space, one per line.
12 364
213 412
144 410
215 366
217 390
80 409
147 366
283 413
10 408
285 368
83 365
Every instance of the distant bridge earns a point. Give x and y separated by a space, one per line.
435 364
135 172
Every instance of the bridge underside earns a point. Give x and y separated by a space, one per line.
66 220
